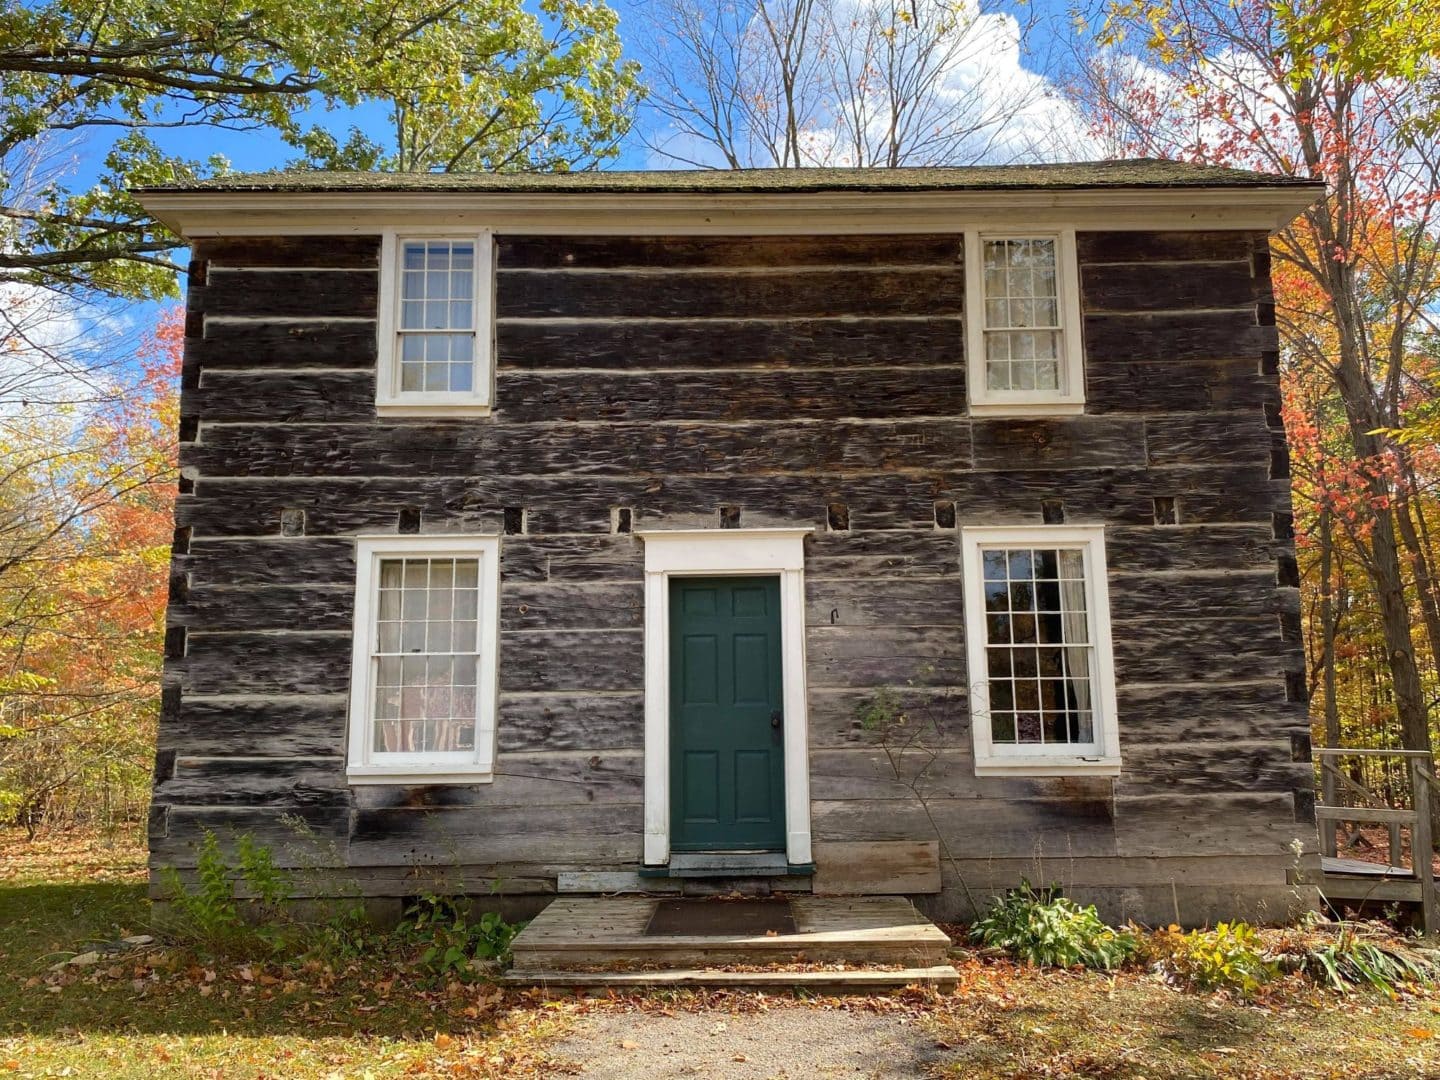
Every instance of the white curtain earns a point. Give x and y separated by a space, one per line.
1075 624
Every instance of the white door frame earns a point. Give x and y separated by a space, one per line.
725 553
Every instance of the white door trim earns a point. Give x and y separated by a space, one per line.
720 553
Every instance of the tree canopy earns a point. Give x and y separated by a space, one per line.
469 85
1290 87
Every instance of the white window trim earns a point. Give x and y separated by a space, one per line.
1040 760
466 767
1071 398
720 553
389 399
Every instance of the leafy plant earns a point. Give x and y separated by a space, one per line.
1229 957
452 941
1049 930
1350 961
209 914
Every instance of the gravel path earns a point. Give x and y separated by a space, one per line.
782 1044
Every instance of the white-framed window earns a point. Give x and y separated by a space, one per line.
1037 635
436 324
423 683
1023 338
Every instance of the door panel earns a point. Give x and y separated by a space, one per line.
727 766
702 787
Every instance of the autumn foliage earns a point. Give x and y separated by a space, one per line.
1282 88
86 509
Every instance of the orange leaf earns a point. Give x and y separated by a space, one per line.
1420 1033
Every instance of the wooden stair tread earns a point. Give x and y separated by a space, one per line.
577 933
940 976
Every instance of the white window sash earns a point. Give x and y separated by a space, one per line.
1070 398
390 400
1102 756
365 765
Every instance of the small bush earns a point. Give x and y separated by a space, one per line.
208 914
1350 961
1229 957
1053 931
452 942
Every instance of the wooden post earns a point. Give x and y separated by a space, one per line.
1422 851
1329 796
1395 845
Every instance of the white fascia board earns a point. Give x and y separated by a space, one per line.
228 213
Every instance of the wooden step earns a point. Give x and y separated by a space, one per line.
580 933
860 981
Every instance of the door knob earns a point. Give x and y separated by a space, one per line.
775 719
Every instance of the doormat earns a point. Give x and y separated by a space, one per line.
720 918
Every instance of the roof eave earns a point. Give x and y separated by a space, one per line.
215 213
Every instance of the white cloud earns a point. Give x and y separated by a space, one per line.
58 350
964 92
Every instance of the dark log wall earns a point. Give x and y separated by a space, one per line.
791 381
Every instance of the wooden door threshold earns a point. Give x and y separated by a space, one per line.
749 864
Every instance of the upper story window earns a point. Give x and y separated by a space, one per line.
1037 628
1023 324
422 700
436 336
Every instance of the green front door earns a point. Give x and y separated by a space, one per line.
727 765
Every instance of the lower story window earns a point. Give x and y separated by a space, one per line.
1041 673
422 705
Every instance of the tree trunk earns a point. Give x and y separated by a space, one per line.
1328 792
1419 562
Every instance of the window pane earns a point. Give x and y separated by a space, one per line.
1021 315
997 596
425 696
1038 651
438 293
1027 727
389 607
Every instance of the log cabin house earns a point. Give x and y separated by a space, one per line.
618 533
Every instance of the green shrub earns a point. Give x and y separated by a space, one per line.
1052 931
1229 957
1350 961
207 914
452 941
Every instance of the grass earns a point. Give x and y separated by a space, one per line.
156 1013
1029 1023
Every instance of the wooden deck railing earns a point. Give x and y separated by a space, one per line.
1393 788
